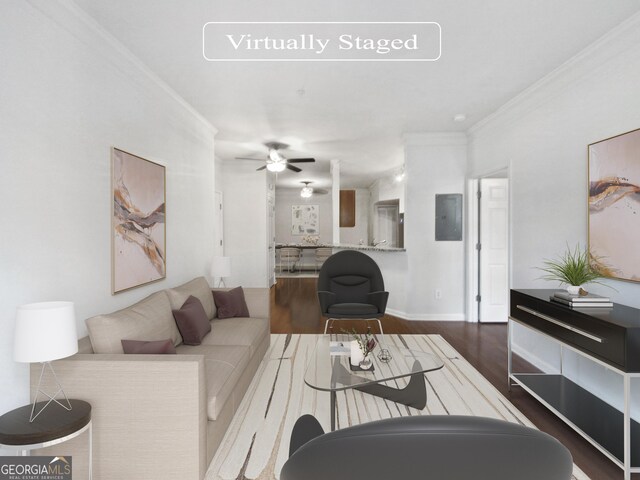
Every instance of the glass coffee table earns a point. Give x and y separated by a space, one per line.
331 373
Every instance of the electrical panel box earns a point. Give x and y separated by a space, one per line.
449 217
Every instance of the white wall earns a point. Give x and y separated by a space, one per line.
542 136
285 198
67 95
435 163
353 235
387 188
245 223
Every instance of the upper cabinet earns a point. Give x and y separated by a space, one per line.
347 208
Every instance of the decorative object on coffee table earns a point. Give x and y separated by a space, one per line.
384 355
365 343
45 332
575 268
138 234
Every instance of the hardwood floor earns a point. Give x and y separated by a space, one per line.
295 309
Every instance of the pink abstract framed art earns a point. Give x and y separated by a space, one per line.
138 235
614 205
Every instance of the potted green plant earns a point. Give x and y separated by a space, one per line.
575 268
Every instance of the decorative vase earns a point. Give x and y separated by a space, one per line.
356 354
574 289
366 363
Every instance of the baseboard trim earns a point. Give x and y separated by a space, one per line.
428 317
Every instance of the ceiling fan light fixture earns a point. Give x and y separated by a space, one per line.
276 166
274 156
306 192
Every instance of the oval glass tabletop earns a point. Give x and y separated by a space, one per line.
331 372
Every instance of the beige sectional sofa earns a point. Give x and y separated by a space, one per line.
161 416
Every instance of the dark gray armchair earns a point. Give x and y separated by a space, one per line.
350 285
437 447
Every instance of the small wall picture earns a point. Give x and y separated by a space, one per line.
138 221
614 205
305 219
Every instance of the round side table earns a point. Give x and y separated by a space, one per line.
53 426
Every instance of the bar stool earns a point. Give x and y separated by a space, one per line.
322 254
290 256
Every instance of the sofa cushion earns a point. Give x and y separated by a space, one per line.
149 319
223 367
156 347
231 303
199 288
192 321
246 331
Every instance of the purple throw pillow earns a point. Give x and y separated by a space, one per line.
231 303
152 347
192 321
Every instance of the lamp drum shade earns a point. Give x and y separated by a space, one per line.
44 332
221 267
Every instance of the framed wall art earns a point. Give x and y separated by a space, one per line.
614 205
138 234
305 219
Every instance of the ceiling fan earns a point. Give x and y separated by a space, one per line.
308 191
276 162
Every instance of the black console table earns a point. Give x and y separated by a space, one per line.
607 336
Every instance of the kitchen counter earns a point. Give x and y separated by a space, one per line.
369 248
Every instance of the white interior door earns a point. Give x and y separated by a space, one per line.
494 250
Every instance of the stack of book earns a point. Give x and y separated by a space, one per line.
581 301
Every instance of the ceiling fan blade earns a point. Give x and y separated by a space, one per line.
301 160
261 168
320 191
248 158
295 169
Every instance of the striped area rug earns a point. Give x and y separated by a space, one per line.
256 444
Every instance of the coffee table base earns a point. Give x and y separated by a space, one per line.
413 395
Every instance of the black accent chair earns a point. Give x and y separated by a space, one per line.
350 285
438 447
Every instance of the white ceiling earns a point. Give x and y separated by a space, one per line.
356 112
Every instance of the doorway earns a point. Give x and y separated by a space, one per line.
489 266
388 224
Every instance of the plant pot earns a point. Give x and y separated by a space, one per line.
574 289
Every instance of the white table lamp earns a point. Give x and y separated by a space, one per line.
221 267
45 332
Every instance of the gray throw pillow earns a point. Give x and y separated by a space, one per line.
192 321
231 303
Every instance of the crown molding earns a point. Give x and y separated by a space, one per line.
69 16
435 139
607 48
